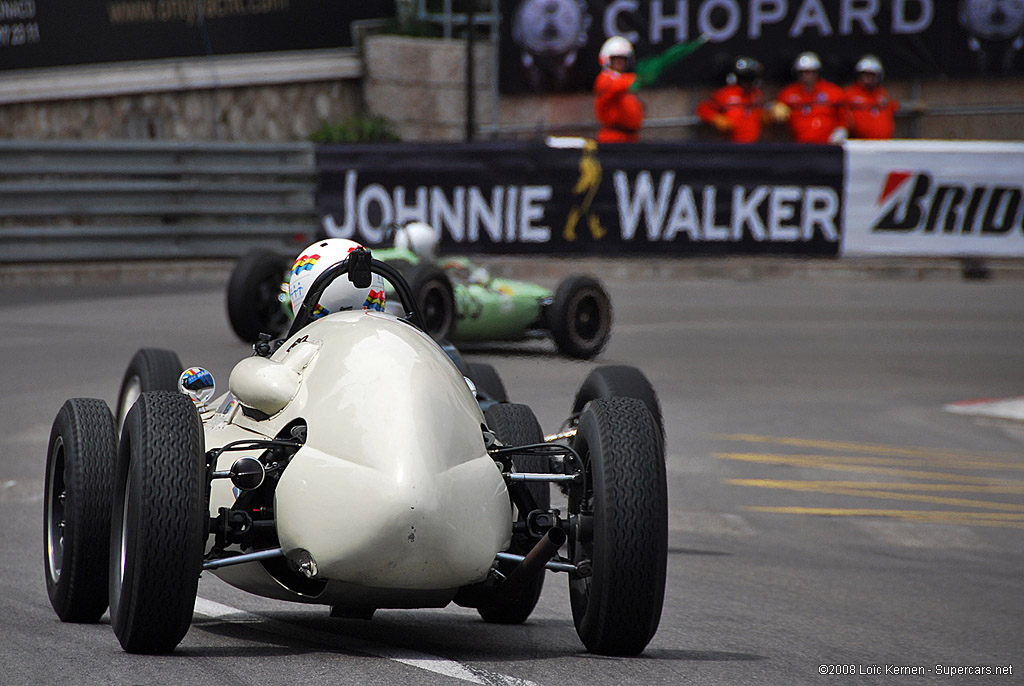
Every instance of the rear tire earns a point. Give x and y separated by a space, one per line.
159 525
580 316
619 380
619 523
516 425
254 305
80 464
151 369
488 381
435 299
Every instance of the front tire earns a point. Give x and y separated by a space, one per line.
159 523
80 463
514 425
580 316
619 525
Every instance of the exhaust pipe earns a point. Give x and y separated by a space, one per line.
538 556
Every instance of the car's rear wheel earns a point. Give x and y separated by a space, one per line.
580 316
254 290
515 425
620 380
151 369
488 381
618 527
435 299
80 463
159 523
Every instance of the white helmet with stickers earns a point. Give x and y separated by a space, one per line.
616 46
342 294
419 238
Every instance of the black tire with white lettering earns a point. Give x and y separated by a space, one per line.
80 464
159 523
580 316
514 425
619 527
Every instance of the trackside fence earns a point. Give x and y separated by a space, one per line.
122 200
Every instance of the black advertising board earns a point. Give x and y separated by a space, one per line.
571 196
49 33
552 45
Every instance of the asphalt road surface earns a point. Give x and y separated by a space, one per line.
827 514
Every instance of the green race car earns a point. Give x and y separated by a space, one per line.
458 302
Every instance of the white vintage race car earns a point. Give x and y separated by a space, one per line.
355 464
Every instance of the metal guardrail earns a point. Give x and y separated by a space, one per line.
117 200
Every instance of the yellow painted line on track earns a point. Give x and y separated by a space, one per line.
890 485
829 463
939 517
872 448
832 488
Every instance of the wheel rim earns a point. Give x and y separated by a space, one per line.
581 543
132 391
56 498
586 316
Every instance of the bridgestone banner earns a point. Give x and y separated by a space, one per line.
934 198
552 45
572 196
49 33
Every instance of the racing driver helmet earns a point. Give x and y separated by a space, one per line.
418 238
342 294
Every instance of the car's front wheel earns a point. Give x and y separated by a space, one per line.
580 316
80 463
618 528
159 523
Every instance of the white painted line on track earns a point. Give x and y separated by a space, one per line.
412 658
1000 408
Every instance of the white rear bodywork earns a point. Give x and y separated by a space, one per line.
393 495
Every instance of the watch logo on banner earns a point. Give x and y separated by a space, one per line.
912 201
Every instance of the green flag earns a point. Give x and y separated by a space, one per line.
650 69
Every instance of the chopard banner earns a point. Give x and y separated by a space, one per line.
572 196
934 198
49 33
552 45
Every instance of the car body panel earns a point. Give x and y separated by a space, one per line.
394 469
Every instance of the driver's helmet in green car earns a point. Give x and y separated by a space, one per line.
342 294
419 238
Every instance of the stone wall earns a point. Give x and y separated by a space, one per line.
257 113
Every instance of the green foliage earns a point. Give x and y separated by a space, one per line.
356 129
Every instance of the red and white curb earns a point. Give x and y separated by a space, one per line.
997 408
